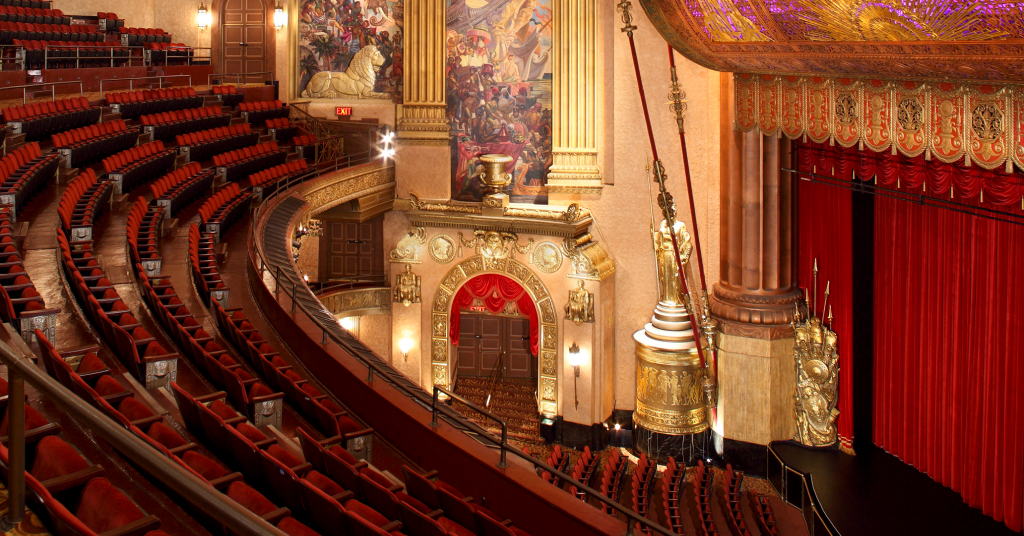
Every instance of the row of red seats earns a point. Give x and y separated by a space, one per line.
304 139
9 31
143 31
732 484
39 119
611 479
224 90
23 172
559 459
139 164
181 115
672 480
85 145
144 226
229 95
280 122
85 134
181 187
7 11
765 514
256 106
213 134
82 202
703 492
239 155
204 144
223 209
169 124
49 27
584 472
203 262
164 46
145 358
135 154
133 104
277 173
144 95
20 302
643 487
256 112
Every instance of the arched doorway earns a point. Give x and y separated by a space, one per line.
547 333
495 329
244 39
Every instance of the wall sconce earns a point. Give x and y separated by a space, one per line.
576 361
203 18
387 139
280 17
348 323
405 345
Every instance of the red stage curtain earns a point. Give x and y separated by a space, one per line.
949 347
826 234
496 291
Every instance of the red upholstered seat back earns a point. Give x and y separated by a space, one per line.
56 458
104 507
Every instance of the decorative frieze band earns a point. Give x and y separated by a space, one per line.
979 124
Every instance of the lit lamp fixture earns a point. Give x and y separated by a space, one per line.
347 323
203 17
405 345
387 139
576 361
280 17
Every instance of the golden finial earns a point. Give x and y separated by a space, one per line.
830 316
624 7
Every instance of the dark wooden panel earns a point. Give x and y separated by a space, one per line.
468 348
520 360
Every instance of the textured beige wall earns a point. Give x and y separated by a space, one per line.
375 333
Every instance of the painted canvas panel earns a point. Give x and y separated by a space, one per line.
499 93
331 32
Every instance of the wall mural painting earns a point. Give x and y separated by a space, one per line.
499 93
331 32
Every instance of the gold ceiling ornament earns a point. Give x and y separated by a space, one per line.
725 23
817 369
896 20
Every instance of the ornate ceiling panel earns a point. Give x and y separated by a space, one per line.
925 39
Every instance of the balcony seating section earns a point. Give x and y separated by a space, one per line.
137 36
181 187
37 4
765 514
82 202
99 506
643 486
672 480
270 178
704 492
584 471
133 104
223 209
138 165
167 125
229 95
282 129
611 480
9 31
732 483
20 302
257 112
72 54
34 15
328 418
143 228
40 119
23 172
203 145
110 21
85 145
145 358
240 163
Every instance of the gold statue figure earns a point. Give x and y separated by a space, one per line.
580 308
407 287
817 383
669 290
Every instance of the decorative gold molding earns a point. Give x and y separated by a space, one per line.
369 301
343 186
574 166
547 381
421 119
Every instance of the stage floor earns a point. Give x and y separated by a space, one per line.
876 494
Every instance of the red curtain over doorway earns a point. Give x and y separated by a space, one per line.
496 291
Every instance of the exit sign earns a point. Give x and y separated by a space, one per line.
343 111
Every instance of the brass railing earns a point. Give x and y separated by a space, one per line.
797 488
199 493
52 85
131 81
330 138
238 77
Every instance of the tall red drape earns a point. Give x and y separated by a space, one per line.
949 349
495 291
826 234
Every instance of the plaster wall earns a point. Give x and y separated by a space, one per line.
375 333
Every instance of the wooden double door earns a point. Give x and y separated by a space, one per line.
484 338
244 39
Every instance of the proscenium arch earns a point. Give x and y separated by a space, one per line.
547 345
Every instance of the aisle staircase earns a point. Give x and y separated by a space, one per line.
512 400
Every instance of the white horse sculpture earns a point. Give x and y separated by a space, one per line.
355 83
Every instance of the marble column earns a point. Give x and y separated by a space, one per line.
423 160
754 301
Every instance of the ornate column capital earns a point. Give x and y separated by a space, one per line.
422 119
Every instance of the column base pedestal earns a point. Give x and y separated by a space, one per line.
686 448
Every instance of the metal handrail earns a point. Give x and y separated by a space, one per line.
78 55
196 491
504 427
131 81
348 283
238 76
53 92
265 266
808 497
190 57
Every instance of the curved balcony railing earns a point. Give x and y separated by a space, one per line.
797 488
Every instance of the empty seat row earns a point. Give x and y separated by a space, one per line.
204 144
732 483
269 179
23 172
9 31
203 263
85 145
282 129
169 53
167 125
584 472
144 228
643 486
133 104
241 163
256 112
40 119
39 4
82 202
672 480
144 357
559 459
611 479
703 493
229 95
72 54
109 21
138 165
137 36
20 302
765 514
33 14
181 187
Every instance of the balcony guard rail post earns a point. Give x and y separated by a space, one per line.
196 491
16 452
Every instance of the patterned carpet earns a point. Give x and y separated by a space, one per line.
29 525
512 401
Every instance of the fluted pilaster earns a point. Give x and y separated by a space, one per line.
422 117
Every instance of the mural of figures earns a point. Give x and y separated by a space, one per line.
331 32
499 93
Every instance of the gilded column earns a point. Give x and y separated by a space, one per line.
574 167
